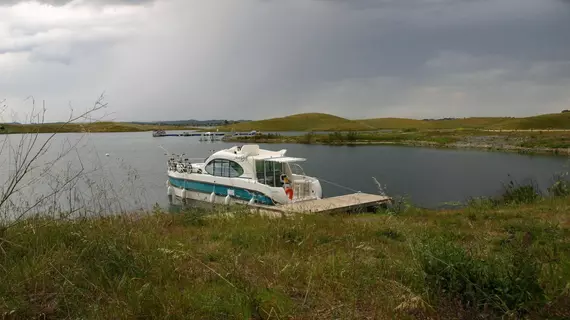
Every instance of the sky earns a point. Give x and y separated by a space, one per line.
256 59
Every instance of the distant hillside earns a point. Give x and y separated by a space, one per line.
402 123
81 127
308 122
300 122
192 122
545 121
327 122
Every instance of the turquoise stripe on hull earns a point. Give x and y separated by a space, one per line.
220 190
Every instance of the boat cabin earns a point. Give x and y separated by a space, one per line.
271 168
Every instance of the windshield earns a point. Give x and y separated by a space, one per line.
296 169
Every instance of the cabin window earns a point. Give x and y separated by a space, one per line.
269 172
224 168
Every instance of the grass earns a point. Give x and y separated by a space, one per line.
546 121
401 123
327 122
300 122
322 122
504 258
540 141
82 127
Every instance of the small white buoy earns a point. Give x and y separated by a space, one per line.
183 195
169 191
212 197
106 154
227 200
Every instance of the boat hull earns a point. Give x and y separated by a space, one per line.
204 197
210 192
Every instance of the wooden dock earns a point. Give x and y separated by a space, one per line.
347 203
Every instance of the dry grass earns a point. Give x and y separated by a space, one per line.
538 141
327 122
82 127
300 122
373 266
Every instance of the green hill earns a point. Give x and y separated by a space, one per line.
300 122
395 123
327 122
545 121
317 122
82 127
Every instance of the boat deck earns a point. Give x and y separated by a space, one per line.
345 203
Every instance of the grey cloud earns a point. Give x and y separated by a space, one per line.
256 59
64 2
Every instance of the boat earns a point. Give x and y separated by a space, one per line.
159 133
242 175
209 136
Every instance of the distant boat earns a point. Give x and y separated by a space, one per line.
158 133
208 136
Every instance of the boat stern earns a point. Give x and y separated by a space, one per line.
316 189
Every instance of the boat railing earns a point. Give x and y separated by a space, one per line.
186 165
302 189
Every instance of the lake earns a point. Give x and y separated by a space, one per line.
133 174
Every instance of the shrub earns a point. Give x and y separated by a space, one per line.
335 137
515 193
504 284
308 138
352 136
560 187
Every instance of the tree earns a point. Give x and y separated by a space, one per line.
23 157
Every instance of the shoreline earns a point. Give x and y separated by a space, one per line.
413 143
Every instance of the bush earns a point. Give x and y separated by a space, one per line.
308 138
560 188
352 136
504 284
335 137
515 193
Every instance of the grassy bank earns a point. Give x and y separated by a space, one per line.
504 258
552 142
82 127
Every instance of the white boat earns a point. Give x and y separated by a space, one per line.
158 133
245 175
208 136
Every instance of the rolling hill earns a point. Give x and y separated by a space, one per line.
81 127
545 121
402 123
327 122
300 122
317 122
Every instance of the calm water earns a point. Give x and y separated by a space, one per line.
134 169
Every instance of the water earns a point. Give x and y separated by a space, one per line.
134 172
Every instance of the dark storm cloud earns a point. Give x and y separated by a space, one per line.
262 58
64 2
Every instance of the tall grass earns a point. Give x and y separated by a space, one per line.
510 262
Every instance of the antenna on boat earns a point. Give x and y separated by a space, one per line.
167 152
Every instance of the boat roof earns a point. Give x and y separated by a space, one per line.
256 153
281 159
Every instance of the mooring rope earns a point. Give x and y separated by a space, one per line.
338 185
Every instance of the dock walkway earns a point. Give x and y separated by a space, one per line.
345 203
